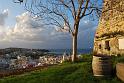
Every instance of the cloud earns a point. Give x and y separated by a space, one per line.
30 33
3 16
86 34
26 28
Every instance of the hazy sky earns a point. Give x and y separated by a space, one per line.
18 29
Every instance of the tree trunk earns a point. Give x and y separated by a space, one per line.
74 37
74 53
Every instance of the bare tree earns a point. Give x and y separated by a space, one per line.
64 14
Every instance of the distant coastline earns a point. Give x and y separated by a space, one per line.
69 51
51 51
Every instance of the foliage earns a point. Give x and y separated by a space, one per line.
117 59
112 34
87 57
120 59
65 73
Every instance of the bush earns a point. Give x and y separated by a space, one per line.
120 59
86 57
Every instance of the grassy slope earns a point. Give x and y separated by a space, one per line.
66 73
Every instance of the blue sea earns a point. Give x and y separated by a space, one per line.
69 51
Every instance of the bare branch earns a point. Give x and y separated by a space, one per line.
84 11
73 9
58 12
79 8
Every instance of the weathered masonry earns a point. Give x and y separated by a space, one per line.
109 37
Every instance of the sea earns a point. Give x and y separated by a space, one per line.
69 51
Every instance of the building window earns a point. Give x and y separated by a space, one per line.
100 46
107 45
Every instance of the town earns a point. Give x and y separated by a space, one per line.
18 58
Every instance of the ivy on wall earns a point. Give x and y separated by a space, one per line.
112 34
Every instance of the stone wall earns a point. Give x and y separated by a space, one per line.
110 28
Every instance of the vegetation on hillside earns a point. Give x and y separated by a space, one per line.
80 72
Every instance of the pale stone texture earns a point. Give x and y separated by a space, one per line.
110 28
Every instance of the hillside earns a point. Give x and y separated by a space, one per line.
66 73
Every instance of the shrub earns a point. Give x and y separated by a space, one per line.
120 59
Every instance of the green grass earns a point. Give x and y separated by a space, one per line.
80 72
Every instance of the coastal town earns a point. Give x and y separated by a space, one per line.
18 58
62 41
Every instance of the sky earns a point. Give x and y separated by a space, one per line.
18 29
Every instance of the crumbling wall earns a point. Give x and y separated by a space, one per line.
110 28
